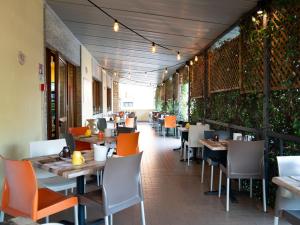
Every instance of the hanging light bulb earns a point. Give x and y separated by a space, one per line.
166 70
253 19
115 74
196 58
145 74
116 26
153 47
259 12
178 56
191 62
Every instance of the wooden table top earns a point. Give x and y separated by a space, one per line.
94 139
65 168
214 145
291 183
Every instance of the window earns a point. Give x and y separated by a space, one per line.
109 99
97 96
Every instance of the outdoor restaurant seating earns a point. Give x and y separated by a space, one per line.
22 197
46 179
244 160
122 188
286 200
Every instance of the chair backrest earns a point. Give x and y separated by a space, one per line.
121 183
79 145
129 122
47 147
127 144
125 130
102 124
170 122
195 134
288 166
223 135
245 158
70 141
76 131
20 189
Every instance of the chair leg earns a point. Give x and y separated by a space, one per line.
143 213
202 171
98 178
76 215
264 195
227 194
220 183
211 177
66 192
110 219
106 220
276 220
101 177
239 184
188 155
184 151
251 187
1 216
47 219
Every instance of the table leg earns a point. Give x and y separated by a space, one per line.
80 191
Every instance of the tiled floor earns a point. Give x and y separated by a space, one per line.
174 194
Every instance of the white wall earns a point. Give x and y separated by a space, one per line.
87 94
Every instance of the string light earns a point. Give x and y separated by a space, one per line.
253 19
129 75
166 70
259 12
116 26
196 58
145 74
178 56
153 47
191 62
115 74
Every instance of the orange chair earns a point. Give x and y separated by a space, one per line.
170 122
21 196
127 144
129 122
80 145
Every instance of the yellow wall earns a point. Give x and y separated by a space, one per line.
21 25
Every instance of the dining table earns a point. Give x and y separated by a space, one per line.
291 183
63 167
94 139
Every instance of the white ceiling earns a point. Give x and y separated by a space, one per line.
181 25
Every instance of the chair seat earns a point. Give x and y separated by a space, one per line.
50 202
292 216
57 183
239 175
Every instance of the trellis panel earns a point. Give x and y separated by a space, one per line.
197 78
168 90
285 39
176 86
223 67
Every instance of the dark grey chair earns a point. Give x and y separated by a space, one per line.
101 124
125 130
286 200
121 189
244 161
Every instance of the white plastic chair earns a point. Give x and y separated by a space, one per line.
196 132
46 179
286 200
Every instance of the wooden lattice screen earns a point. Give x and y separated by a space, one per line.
252 70
197 78
223 67
168 89
285 65
176 86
